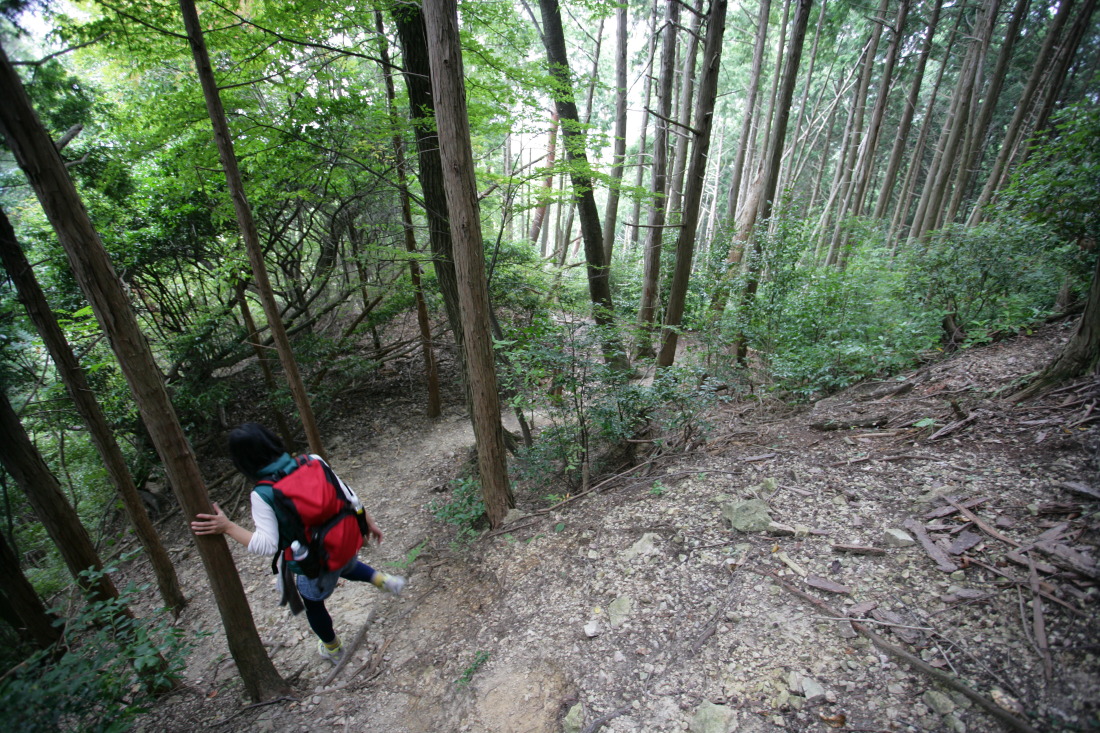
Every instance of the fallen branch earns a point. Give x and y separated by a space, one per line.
945 679
1018 582
350 650
979 523
943 562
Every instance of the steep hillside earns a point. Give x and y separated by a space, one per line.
958 529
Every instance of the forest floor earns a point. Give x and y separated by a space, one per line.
636 606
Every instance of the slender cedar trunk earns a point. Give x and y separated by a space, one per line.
431 371
1015 130
826 218
414 45
775 150
1057 78
976 140
72 375
32 621
736 250
448 89
1080 355
930 211
687 87
22 460
247 225
265 363
693 192
865 165
767 127
573 140
567 232
92 269
651 248
856 140
898 152
787 170
640 168
618 154
915 169
535 233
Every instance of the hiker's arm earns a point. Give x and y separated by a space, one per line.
372 529
218 523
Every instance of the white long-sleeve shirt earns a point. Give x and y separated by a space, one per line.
265 536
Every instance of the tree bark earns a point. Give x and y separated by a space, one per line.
72 375
448 89
539 216
775 149
651 246
433 406
687 87
618 154
38 158
1080 355
693 192
247 225
573 140
1015 128
898 152
22 460
33 622
641 167
414 46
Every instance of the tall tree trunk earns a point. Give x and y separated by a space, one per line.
1067 51
573 140
448 89
414 45
22 460
1015 128
693 192
915 171
651 248
33 622
1080 355
737 171
687 87
641 166
265 363
775 150
898 152
431 371
856 140
247 225
940 175
72 375
976 142
539 216
788 172
865 164
618 154
38 158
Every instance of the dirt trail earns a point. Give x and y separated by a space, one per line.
638 606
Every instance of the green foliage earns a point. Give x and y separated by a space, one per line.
1059 184
103 673
480 658
465 509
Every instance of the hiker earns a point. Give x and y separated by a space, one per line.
260 455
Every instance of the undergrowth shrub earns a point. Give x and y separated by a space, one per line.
465 510
102 674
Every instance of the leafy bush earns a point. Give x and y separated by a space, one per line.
465 510
100 676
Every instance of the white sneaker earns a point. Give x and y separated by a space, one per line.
394 584
333 655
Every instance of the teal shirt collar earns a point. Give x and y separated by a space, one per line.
281 466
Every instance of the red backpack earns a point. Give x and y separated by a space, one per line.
313 510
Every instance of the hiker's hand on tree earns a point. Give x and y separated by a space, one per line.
216 523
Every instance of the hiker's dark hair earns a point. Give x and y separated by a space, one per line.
252 446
